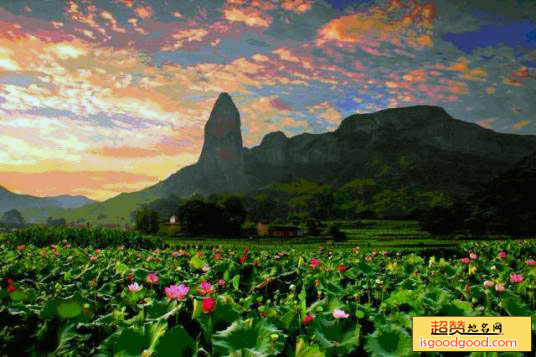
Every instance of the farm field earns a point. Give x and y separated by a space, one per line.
367 234
71 297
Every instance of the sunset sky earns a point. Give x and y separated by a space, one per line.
99 97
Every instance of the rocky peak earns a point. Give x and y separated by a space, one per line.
222 158
395 118
275 138
223 138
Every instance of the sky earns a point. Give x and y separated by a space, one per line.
99 97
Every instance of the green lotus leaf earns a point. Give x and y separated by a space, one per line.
243 337
175 342
305 350
389 341
69 309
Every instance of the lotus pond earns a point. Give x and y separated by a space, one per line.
66 300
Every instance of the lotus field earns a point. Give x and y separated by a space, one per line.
67 300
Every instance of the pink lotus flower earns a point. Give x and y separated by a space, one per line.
134 287
314 263
209 304
531 262
500 288
152 278
488 283
308 319
206 288
464 260
221 282
178 292
503 254
339 314
473 256
516 278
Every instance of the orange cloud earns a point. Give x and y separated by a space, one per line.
457 88
93 183
491 90
183 36
378 24
512 82
460 66
417 75
144 12
286 55
250 16
520 124
298 6
126 152
486 123
326 113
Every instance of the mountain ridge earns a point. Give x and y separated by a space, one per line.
415 147
10 200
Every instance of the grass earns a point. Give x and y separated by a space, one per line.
393 235
367 234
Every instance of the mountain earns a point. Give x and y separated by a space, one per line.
506 203
10 200
418 147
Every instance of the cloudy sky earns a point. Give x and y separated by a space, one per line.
99 97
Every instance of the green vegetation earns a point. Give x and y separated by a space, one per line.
147 221
12 218
70 300
98 237
281 202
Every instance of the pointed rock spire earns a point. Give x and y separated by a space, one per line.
222 157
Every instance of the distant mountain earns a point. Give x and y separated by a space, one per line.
418 147
10 200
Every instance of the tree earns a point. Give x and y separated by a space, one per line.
447 220
336 233
234 215
56 222
312 227
199 217
13 218
147 220
166 207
